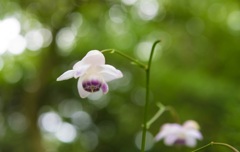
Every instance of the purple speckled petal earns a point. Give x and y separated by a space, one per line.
180 141
96 83
104 88
81 91
91 85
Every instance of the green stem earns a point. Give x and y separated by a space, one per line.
162 108
217 143
173 113
144 130
141 65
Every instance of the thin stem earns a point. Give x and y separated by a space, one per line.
144 130
162 108
141 65
217 143
173 113
151 56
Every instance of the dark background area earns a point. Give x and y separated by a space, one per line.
195 70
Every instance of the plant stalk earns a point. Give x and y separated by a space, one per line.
217 143
138 63
144 129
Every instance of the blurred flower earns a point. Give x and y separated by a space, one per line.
93 74
175 134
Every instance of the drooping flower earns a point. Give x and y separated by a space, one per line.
176 134
93 74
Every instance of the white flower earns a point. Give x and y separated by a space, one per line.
175 134
93 74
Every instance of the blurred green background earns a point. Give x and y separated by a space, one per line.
195 70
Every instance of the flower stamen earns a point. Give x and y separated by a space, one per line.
92 85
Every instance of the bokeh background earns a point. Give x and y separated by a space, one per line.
195 70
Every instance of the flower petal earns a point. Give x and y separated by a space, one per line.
168 130
104 88
93 57
81 71
81 91
194 133
191 124
190 142
160 135
170 140
78 65
66 75
110 73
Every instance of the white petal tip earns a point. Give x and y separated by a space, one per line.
84 94
66 75
120 74
58 79
61 78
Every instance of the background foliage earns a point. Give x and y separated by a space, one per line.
195 70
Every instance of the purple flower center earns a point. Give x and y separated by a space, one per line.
92 85
180 142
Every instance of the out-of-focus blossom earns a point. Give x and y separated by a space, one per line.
93 74
176 134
